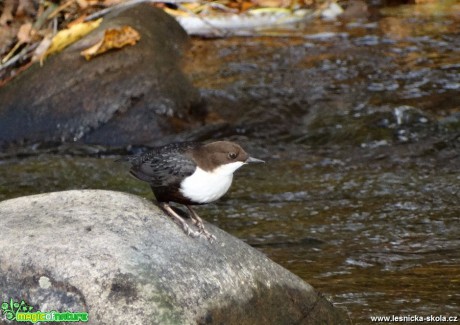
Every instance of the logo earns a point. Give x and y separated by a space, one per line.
22 312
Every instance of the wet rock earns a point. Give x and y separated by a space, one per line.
130 96
121 260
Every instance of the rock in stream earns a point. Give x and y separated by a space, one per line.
134 95
117 257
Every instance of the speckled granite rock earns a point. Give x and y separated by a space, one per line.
119 258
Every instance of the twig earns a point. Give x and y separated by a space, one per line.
55 25
60 8
23 54
11 53
43 17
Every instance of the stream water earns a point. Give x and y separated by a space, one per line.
359 123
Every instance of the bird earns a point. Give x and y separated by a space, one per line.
190 173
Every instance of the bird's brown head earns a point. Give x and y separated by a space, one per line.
215 154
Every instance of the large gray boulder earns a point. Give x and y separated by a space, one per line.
119 258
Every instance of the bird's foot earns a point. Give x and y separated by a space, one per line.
210 237
198 222
180 221
189 231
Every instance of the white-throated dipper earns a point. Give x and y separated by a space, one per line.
190 173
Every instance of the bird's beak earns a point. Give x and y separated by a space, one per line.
253 160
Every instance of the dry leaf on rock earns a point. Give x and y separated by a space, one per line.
68 36
114 38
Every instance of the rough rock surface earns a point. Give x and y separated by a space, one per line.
119 258
134 95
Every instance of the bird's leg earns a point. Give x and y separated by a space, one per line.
178 219
198 222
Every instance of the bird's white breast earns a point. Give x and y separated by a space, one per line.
204 187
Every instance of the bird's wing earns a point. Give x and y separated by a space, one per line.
163 166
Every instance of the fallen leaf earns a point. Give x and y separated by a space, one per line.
23 36
25 7
176 13
114 38
68 36
192 7
108 3
24 33
246 5
82 4
272 3
7 15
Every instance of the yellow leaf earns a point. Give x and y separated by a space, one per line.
272 3
114 38
176 13
70 35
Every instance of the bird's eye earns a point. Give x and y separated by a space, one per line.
232 155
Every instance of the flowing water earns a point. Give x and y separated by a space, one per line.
359 123
360 127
